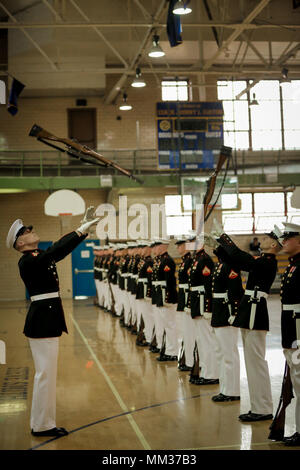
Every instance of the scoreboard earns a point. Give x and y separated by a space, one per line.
188 134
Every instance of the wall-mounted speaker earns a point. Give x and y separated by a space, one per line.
81 102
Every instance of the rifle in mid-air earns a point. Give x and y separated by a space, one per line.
76 150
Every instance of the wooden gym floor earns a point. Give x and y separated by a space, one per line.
112 394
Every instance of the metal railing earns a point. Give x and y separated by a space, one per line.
54 163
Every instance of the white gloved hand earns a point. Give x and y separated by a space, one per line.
210 241
84 228
217 228
89 215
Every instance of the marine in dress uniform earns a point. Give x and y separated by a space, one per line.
253 319
227 291
166 300
144 307
45 321
185 330
200 305
290 318
158 330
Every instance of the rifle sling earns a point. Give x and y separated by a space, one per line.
83 159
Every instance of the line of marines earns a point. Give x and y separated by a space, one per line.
192 314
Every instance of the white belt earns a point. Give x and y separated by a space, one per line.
259 293
50 295
97 269
125 274
293 307
143 279
197 289
220 295
159 283
134 276
183 286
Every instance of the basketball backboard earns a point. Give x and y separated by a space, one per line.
64 202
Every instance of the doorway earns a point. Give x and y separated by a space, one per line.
82 126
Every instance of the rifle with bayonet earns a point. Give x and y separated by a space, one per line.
76 150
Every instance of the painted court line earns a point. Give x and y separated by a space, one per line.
109 418
114 391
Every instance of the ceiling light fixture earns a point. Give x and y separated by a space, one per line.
125 106
156 50
181 8
254 101
285 79
138 82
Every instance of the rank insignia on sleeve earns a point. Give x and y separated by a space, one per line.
34 253
149 270
166 269
232 274
206 271
292 269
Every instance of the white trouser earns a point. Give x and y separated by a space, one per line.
207 348
127 307
293 359
189 337
159 326
100 292
147 313
179 328
107 296
229 376
117 298
43 409
168 319
133 307
254 343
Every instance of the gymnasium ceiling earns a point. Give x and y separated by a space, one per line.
93 47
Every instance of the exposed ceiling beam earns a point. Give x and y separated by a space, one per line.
89 24
33 42
118 86
251 85
254 49
233 36
95 28
247 71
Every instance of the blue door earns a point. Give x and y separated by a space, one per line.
83 269
41 246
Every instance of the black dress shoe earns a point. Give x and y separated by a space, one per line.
203 381
193 378
222 398
292 441
142 343
250 417
166 357
54 432
184 368
154 349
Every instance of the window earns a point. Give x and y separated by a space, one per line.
174 90
293 214
272 124
268 210
178 214
259 212
239 221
